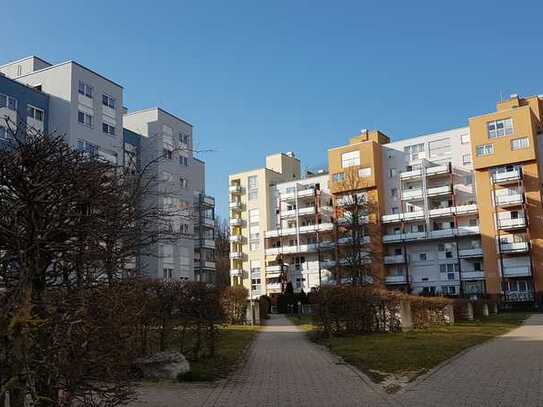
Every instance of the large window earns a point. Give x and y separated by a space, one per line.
350 159
85 89
414 150
85 118
485 149
500 128
520 143
34 113
108 101
252 187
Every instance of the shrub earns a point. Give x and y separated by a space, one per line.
234 304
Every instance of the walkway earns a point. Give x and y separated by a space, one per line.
285 369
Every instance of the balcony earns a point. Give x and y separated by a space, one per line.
398 237
235 206
410 174
274 270
323 227
507 177
236 272
412 194
436 191
208 222
396 217
467 230
518 296
438 170
395 279
395 259
302 193
207 243
473 275
236 222
508 223
517 271
509 200
300 212
236 255
435 234
407 216
208 265
208 200
235 189
514 247
236 238
466 253
274 287
466 209
438 212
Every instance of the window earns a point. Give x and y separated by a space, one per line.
422 256
108 101
477 266
394 192
392 172
3 133
395 210
364 172
413 151
350 159
8 101
34 113
84 118
468 180
485 149
167 154
252 182
519 143
465 139
499 128
450 276
466 159
85 89
108 129
89 149
254 216
183 183
253 246
184 161
253 195
339 177
473 222
439 148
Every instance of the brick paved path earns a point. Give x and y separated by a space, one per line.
285 369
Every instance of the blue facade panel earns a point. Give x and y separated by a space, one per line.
25 96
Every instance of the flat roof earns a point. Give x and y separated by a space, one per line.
161 110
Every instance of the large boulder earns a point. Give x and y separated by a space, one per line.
163 365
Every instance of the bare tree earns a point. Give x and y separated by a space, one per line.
355 234
222 253
70 223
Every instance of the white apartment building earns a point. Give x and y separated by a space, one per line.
87 109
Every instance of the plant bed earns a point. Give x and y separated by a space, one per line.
232 343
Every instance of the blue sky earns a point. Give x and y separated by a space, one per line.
259 77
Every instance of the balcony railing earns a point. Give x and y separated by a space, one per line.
508 223
208 243
395 279
395 217
413 215
235 206
434 213
302 248
303 193
208 222
236 222
508 176
473 275
438 170
466 209
397 237
445 189
322 227
412 194
410 174
310 210
514 247
510 199
394 259
235 189
236 255
434 234
516 271
518 296
459 210
236 272
236 238
208 200
475 252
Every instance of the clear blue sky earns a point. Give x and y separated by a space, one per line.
258 77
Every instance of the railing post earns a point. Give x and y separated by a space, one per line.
406 316
469 311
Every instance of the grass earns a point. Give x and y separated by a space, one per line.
410 354
415 352
231 346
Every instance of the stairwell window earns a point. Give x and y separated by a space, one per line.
85 119
500 128
85 89
108 129
108 101
520 143
485 149
350 159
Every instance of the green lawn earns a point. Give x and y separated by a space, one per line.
231 346
413 353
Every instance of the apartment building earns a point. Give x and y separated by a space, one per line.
21 104
456 212
251 215
87 109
